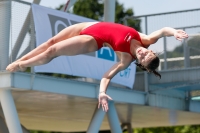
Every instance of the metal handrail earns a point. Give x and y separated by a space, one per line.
176 59
164 13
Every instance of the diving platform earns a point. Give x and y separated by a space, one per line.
56 104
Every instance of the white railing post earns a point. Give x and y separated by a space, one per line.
10 112
5 17
96 121
165 53
109 10
186 54
113 119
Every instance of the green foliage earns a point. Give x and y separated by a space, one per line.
94 9
174 129
89 8
40 132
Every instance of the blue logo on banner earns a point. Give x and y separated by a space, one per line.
125 73
106 53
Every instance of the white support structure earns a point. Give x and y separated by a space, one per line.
68 5
22 34
5 15
96 121
109 10
10 112
113 118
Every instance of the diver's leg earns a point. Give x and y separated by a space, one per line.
72 46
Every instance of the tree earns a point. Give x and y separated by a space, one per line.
173 129
94 9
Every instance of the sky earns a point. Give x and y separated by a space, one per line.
144 7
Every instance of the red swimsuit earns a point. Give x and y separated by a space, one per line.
117 35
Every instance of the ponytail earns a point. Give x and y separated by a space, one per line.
156 74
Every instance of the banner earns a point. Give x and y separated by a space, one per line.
49 22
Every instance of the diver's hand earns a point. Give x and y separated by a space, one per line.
103 101
180 35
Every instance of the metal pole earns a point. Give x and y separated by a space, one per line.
113 119
125 21
129 127
146 25
96 121
146 79
33 39
186 54
172 117
165 53
109 10
10 112
187 100
5 17
68 5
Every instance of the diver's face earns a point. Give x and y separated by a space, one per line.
144 56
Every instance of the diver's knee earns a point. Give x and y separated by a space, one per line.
51 41
50 53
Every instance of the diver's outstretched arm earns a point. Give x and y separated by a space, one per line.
166 31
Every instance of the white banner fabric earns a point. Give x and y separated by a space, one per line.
49 22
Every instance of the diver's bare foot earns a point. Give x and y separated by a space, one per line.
13 67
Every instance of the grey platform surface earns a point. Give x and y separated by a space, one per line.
48 103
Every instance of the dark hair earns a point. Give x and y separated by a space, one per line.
152 66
